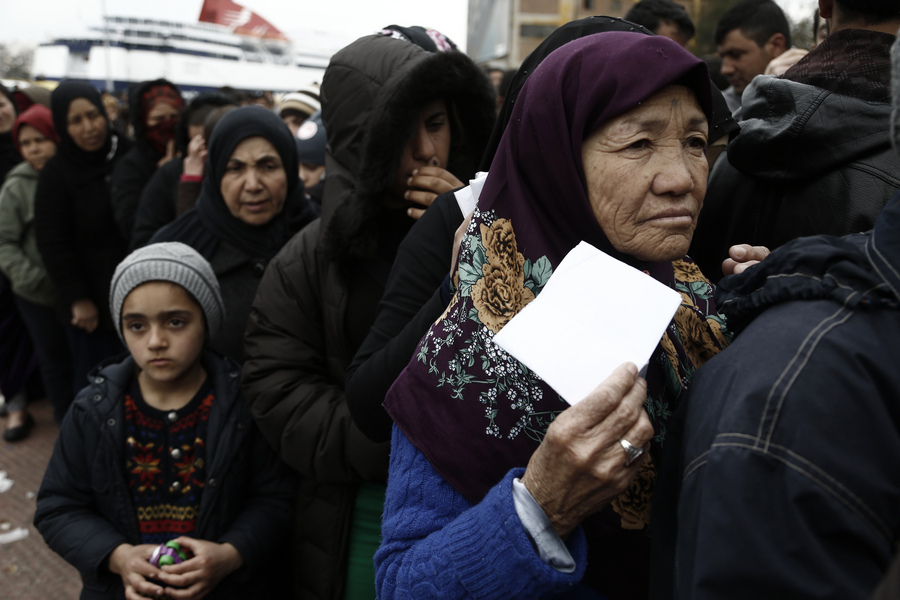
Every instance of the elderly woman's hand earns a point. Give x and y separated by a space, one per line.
742 257
580 467
427 183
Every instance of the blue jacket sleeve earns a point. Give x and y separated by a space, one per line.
436 544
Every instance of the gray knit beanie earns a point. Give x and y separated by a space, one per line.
168 261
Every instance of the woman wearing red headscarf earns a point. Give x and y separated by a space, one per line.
155 109
21 263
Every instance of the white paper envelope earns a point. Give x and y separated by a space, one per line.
594 314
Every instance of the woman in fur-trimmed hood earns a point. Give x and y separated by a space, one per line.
403 124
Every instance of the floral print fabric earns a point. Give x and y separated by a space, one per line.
494 282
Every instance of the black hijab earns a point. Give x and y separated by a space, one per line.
83 165
9 156
210 222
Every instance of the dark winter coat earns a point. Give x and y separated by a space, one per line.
808 161
158 201
786 483
84 510
317 299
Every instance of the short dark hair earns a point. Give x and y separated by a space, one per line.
870 11
652 13
757 19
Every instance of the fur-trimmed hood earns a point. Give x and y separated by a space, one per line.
370 93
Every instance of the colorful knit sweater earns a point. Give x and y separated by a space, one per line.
165 463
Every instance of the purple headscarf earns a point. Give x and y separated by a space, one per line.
473 410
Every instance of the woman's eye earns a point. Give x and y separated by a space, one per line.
435 125
639 145
176 323
135 326
233 169
697 142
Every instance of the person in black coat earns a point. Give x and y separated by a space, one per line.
155 108
159 204
76 232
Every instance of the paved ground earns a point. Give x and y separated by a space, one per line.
29 570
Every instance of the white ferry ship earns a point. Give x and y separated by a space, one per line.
228 46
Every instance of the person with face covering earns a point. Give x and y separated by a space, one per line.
21 263
497 487
155 109
401 123
181 177
250 205
76 233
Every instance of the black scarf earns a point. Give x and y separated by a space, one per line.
210 222
83 166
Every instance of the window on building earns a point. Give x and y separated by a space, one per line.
538 31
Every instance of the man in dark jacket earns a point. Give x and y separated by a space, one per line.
786 482
814 154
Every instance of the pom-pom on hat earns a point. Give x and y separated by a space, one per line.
173 262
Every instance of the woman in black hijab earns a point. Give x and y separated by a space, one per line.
76 233
249 207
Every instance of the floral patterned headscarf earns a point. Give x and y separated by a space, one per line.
472 409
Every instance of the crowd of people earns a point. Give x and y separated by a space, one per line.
267 332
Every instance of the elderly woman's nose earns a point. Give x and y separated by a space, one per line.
674 175
252 180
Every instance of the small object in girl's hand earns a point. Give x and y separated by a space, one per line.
169 553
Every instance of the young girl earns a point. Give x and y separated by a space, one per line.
161 447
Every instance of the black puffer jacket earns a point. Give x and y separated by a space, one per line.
317 298
808 161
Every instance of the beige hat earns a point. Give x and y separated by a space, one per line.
305 100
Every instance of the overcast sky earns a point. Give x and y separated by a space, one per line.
35 21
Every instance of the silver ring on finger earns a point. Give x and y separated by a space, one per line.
632 452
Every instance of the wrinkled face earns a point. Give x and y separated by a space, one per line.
7 114
670 30
646 175
164 330
35 147
311 174
86 125
429 144
255 183
161 113
743 59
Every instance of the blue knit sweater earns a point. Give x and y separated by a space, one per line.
436 544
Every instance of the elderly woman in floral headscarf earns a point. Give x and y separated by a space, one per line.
606 144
